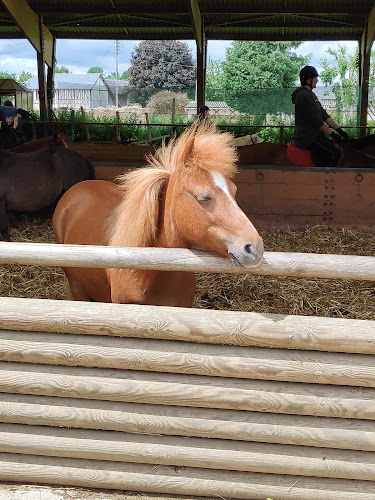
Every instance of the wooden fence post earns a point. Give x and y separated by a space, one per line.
85 124
117 129
148 127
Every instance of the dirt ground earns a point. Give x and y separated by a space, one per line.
34 492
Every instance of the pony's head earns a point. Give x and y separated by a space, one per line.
192 176
200 204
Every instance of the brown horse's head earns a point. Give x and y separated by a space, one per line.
192 176
201 201
58 139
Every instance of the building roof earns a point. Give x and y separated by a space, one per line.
211 104
9 87
186 19
122 85
69 81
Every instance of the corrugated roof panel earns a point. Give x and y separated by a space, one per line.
222 19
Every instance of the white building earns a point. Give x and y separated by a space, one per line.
88 90
216 108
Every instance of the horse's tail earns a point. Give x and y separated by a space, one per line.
91 169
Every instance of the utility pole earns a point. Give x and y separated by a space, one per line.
117 47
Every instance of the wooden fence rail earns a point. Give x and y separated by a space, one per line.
180 259
220 404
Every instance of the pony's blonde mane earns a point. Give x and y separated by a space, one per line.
135 221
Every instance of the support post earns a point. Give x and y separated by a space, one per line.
364 57
50 82
201 72
365 54
85 125
201 50
42 80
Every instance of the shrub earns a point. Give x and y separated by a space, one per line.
161 103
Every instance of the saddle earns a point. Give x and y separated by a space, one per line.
300 157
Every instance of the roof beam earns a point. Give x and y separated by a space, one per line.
197 23
369 33
178 10
29 22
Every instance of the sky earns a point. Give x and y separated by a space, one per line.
79 55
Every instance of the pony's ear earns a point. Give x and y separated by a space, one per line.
187 153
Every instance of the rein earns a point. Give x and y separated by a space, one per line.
364 154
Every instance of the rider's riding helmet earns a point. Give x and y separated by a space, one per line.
306 73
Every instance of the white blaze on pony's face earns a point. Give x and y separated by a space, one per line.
208 216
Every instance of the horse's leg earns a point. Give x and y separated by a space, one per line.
4 221
73 289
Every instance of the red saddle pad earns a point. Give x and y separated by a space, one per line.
298 156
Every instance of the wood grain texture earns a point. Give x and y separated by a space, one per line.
177 480
182 401
177 357
177 451
191 325
193 422
274 263
173 393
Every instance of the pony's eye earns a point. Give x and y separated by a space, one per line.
202 198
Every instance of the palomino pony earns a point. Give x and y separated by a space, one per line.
185 197
32 181
357 153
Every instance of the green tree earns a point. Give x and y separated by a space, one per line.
341 71
95 69
123 76
260 65
61 69
162 64
215 82
5 74
258 77
215 75
25 75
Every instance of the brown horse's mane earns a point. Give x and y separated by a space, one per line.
135 221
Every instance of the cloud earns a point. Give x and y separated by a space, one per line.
319 50
80 55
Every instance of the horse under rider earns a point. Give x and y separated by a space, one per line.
314 129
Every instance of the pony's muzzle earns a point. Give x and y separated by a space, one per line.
250 255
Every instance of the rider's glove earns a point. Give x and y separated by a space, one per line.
337 138
343 134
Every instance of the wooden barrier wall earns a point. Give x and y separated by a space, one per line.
219 404
282 197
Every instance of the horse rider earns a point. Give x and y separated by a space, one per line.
203 112
9 112
314 129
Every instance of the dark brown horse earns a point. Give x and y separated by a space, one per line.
32 181
43 143
357 153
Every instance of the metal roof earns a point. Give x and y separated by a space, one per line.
210 104
181 19
69 81
8 86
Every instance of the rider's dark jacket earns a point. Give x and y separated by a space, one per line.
309 117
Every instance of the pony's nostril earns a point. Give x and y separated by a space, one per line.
247 248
